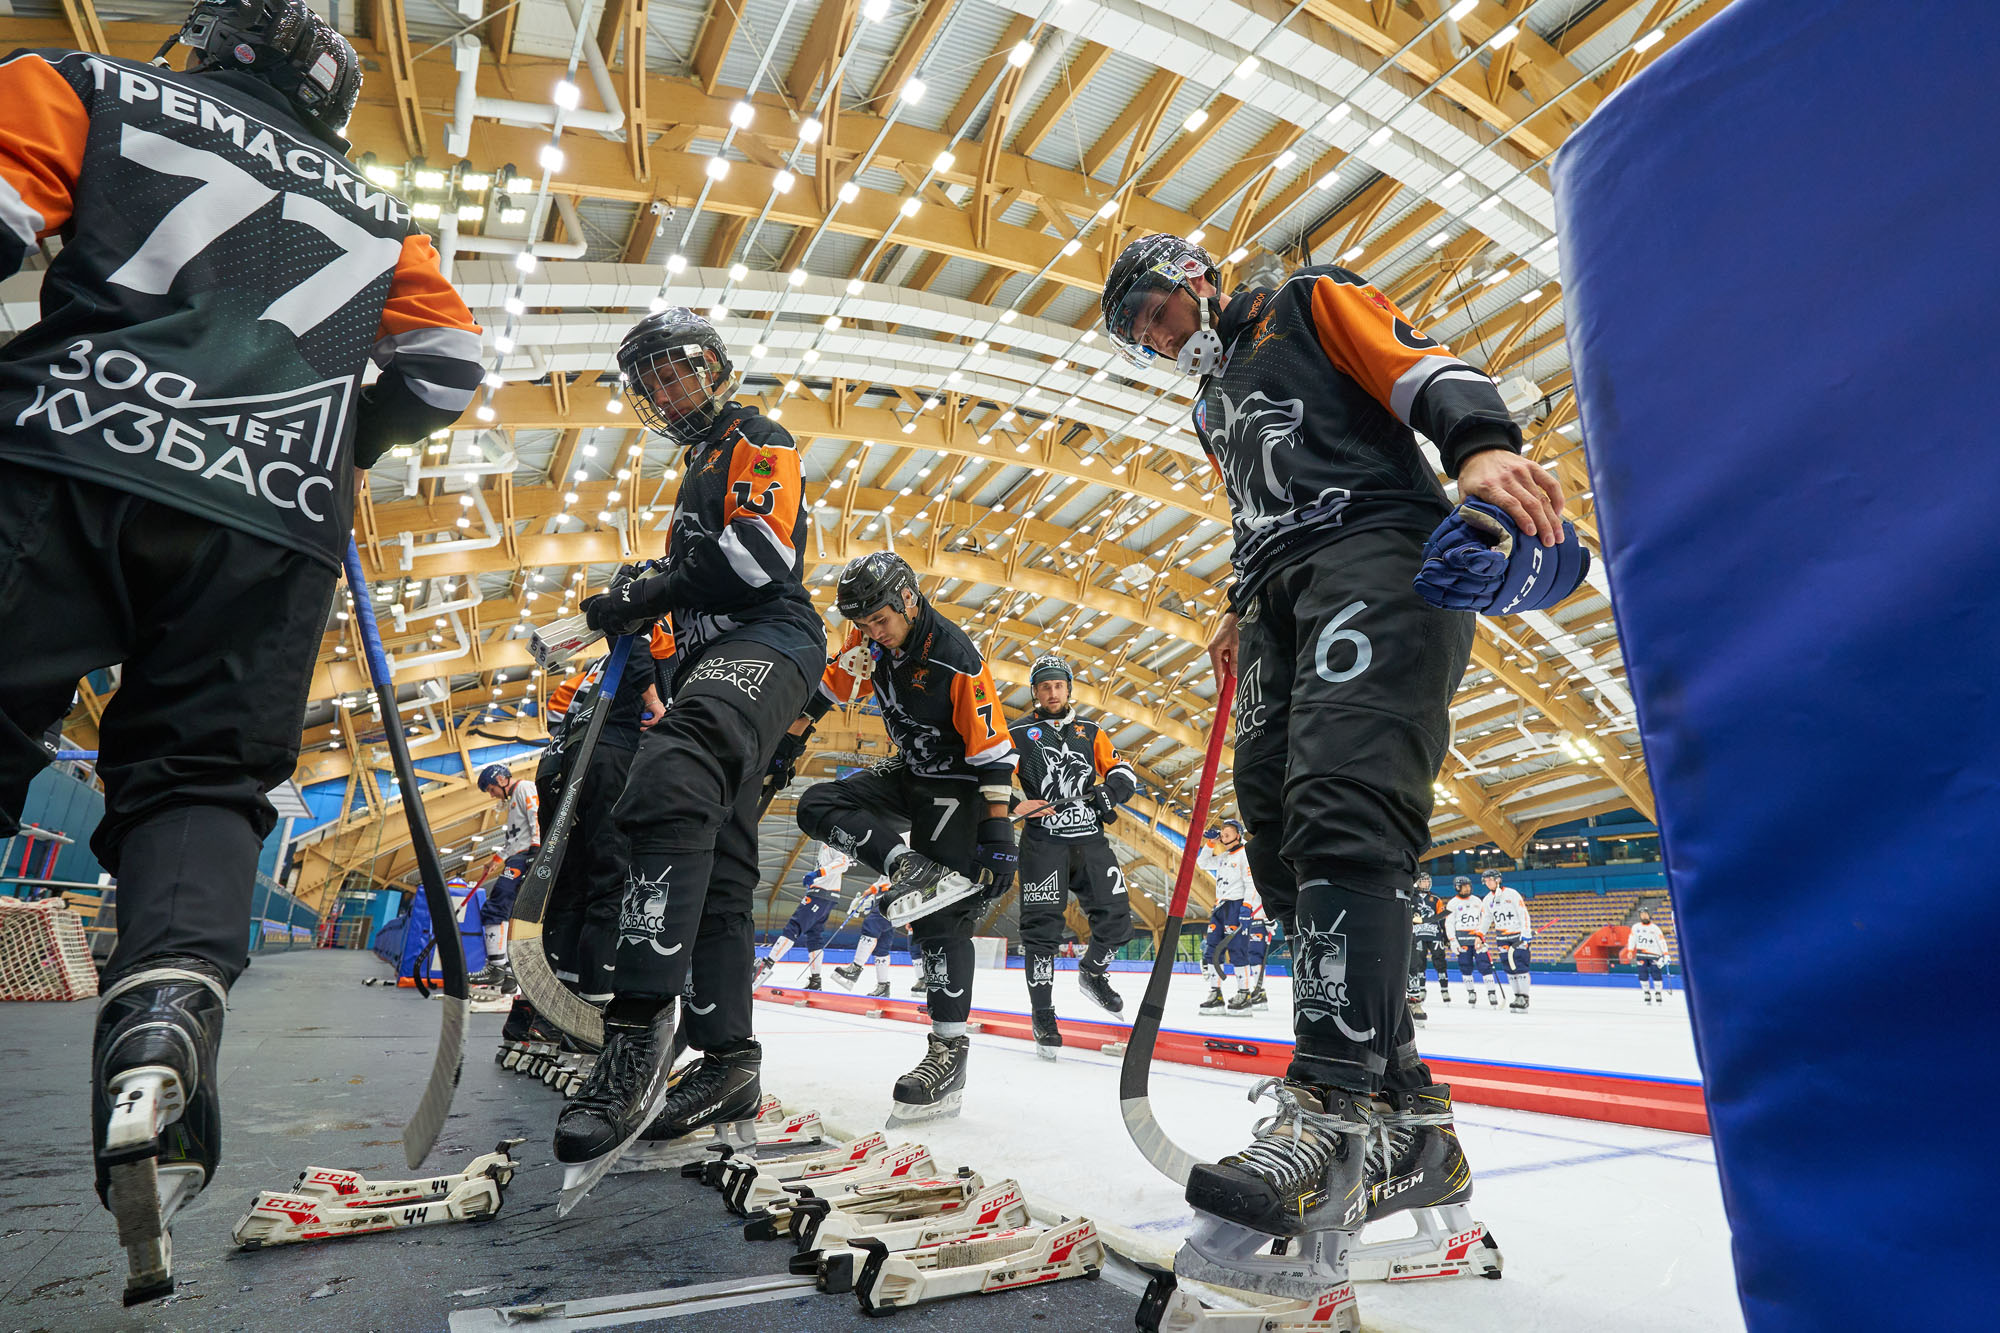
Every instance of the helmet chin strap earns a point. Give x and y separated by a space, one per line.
1201 354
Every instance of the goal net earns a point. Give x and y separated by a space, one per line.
43 952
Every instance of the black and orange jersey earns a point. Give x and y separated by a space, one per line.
1310 419
937 697
1063 757
225 277
735 562
650 668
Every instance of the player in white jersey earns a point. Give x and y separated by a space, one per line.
1649 950
1508 929
1224 858
1463 928
518 846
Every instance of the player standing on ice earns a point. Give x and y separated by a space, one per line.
748 640
1465 935
190 540
1505 923
1227 862
580 923
1426 943
948 789
1309 392
807 927
1649 950
518 845
1064 757
878 935
1255 937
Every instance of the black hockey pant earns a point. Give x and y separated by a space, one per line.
217 632
1342 721
689 815
866 814
1050 870
581 920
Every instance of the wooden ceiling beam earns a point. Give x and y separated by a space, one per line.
1082 66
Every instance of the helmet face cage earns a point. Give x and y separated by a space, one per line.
1150 271
284 43
873 582
677 375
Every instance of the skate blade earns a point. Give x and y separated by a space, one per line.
580 1178
144 1101
1227 1254
144 1198
1047 1052
945 1108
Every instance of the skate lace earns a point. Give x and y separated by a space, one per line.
620 1071
1397 1131
935 1067
1281 1149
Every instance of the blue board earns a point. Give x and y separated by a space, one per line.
1782 279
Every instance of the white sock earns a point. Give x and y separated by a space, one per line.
882 967
864 951
496 943
948 1029
780 947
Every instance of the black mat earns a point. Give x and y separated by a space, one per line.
319 1069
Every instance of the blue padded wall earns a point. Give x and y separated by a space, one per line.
1782 270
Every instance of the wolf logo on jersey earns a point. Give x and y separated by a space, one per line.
645 915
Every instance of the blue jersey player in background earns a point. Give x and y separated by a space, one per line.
807 927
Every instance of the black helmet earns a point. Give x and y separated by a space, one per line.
285 44
678 353
1050 667
1462 882
871 582
1159 265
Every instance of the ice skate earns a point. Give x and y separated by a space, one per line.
1096 987
919 986
1444 992
1518 1004
812 982
1417 1014
764 966
723 1089
1524 1002
1493 997
1471 996
1416 1161
881 992
494 981
1304 1172
1214 1004
1259 1001
1239 1005
1048 1034
622 1096
156 1119
920 886
935 1089
847 975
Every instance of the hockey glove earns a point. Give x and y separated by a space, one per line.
785 762
1477 560
1107 805
995 857
628 606
1119 786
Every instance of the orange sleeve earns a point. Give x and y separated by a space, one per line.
1369 340
837 682
565 693
975 709
662 646
1101 751
420 298
42 139
766 489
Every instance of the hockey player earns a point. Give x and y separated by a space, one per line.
1506 925
1346 680
1255 935
1067 758
1227 861
948 789
1465 936
580 923
518 846
878 934
1426 940
749 643
807 927
217 250
1435 955
1649 951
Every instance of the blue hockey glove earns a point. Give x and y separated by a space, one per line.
995 858
1477 560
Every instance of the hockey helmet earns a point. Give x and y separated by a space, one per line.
1146 275
283 43
676 374
871 582
492 776
1050 667
1423 879
1462 882
1489 874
